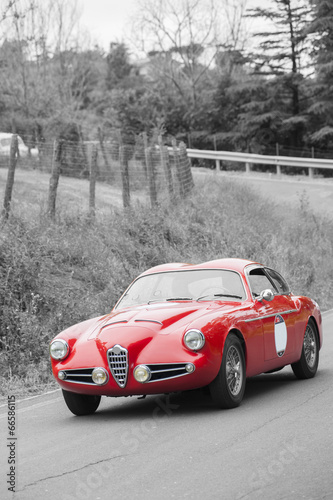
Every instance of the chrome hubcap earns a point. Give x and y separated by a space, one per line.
234 371
310 347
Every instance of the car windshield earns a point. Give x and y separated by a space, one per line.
205 284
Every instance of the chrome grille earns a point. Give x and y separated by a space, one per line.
118 363
168 370
79 376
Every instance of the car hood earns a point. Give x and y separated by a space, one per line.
163 318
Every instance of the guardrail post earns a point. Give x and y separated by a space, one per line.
248 167
278 169
311 172
218 165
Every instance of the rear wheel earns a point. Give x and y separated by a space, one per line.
81 404
227 389
307 366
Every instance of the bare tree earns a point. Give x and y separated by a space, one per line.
183 37
236 28
44 37
177 35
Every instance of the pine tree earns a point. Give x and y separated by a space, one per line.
322 108
280 63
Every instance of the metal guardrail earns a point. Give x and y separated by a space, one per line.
250 159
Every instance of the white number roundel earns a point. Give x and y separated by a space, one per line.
280 335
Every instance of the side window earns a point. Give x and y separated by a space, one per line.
259 281
278 281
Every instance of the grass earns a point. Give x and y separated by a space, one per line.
56 273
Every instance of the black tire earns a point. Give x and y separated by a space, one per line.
81 404
307 366
227 389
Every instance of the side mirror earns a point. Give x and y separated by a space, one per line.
267 295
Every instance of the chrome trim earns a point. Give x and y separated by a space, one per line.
118 363
270 315
114 323
169 378
168 369
250 267
79 382
177 367
203 339
149 321
64 343
72 373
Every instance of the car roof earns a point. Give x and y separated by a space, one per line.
230 264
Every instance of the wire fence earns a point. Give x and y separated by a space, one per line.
153 169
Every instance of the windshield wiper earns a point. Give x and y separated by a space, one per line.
170 299
220 295
179 298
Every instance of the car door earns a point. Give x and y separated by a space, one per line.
277 316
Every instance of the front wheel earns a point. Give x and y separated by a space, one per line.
81 404
227 389
307 366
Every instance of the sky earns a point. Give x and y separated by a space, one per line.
107 20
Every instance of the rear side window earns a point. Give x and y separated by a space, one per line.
259 281
279 283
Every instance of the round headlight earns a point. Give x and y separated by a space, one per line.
99 376
142 373
59 349
194 340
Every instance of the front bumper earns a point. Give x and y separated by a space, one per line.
165 378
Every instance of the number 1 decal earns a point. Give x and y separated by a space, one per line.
280 335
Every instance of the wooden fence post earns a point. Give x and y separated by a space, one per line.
10 176
186 168
54 180
145 147
105 158
124 175
177 165
92 180
189 140
151 177
164 153
83 150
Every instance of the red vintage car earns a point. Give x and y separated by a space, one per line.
180 327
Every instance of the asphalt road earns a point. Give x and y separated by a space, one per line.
277 445
288 190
